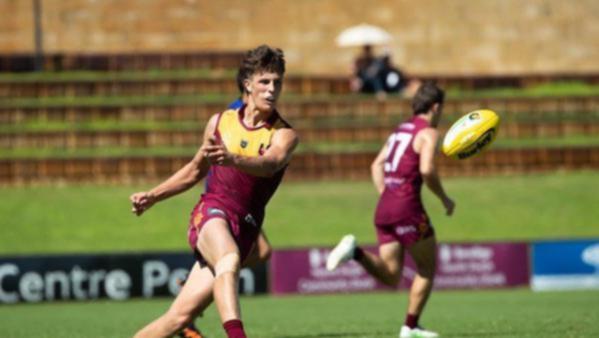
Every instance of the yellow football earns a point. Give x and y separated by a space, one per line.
471 134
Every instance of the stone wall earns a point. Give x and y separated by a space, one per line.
431 36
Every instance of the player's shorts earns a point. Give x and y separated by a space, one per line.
406 232
243 228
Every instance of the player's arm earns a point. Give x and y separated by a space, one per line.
185 178
377 170
283 143
427 143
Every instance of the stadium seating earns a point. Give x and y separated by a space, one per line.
120 62
138 84
123 123
305 166
206 84
583 108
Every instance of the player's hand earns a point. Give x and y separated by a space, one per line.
141 202
449 205
216 153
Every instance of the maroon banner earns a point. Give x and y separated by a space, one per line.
489 265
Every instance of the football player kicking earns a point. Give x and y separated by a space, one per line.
401 223
246 151
262 250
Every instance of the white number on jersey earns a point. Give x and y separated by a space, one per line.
396 147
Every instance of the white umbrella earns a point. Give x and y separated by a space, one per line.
363 35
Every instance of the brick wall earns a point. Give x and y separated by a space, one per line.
432 36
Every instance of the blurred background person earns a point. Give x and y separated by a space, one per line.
378 75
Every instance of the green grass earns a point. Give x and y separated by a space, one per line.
156 100
500 143
40 125
115 101
58 219
99 152
99 126
560 88
306 147
547 119
547 142
172 100
494 314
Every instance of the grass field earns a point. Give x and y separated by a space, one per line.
464 314
312 147
60 219
90 218
51 219
546 119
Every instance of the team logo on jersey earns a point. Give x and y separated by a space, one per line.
244 143
402 230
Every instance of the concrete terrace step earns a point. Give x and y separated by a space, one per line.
342 106
191 137
304 166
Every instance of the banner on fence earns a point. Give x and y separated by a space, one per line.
565 265
113 276
491 265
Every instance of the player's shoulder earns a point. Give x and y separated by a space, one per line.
284 132
226 117
216 118
229 113
412 125
287 131
213 120
428 134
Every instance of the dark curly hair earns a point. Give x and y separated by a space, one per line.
261 59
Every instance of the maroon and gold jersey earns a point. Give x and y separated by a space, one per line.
243 193
401 198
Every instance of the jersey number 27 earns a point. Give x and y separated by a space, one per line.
396 147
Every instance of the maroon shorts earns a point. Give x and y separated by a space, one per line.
243 228
406 232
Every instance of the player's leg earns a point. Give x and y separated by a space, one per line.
216 244
424 254
387 266
261 252
193 298
191 330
